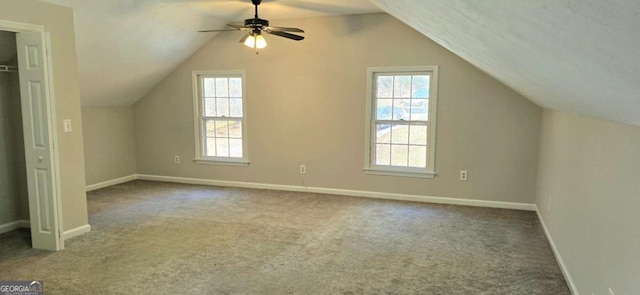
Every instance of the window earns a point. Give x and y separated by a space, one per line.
401 121
219 112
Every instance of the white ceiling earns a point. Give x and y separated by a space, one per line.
126 47
571 55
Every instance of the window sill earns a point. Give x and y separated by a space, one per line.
399 173
223 163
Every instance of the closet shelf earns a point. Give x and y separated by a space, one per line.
4 68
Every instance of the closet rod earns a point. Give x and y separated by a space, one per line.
4 68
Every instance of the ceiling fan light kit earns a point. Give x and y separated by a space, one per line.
256 41
256 26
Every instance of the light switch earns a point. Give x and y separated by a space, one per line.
67 125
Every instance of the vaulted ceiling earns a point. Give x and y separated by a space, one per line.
126 47
570 55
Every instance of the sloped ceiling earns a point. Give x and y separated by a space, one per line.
570 55
126 47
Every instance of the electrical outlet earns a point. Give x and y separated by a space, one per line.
463 175
303 169
176 159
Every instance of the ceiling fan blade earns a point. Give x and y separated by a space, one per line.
245 38
227 30
287 35
237 26
284 29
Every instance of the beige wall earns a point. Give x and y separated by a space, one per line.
59 22
109 144
306 104
589 197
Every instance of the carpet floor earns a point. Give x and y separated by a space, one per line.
163 238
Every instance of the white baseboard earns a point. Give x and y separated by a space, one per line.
111 182
354 193
563 267
25 223
7 227
72 233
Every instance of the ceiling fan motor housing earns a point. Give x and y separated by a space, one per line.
256 23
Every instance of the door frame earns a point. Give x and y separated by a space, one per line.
18 27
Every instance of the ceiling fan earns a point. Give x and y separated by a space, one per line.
256 26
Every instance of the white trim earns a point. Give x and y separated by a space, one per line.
198 116
72 233
224 163
333 191
54 132
7 227
556 253
399 173
17 27
111 182
25 223
369 165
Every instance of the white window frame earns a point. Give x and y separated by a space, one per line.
199 128
370 167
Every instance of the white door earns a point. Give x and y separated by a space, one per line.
38 141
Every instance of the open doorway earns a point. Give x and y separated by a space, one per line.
29 188
14 196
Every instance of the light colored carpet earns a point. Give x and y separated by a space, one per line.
161 238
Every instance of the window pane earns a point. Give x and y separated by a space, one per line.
210 107
222 128
210 148
222 87
383 156
222 102
420 109
235 87
418 135
222 107
420 87
399 155
418 156
209 87
235 129
400 134
385 86
210 128
235 148
222 147
383 133
401 109
236 107
401 118
385 109
402 86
